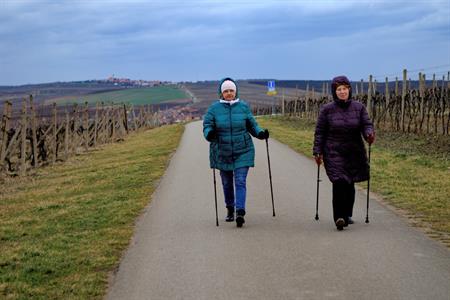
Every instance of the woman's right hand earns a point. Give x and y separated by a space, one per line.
371 138
318 159
211 135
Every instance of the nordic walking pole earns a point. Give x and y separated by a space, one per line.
215 196
270 175
368 188
317 193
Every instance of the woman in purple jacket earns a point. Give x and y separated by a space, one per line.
338 141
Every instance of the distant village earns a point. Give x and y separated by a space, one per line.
132 82
179 113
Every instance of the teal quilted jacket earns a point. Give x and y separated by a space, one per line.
231 145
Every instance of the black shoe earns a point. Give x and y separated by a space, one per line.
240 213
340 223
230 214
350 220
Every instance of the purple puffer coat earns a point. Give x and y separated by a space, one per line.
338 137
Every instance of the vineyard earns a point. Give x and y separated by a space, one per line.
425 110
36 137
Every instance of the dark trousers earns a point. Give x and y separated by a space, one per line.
343 200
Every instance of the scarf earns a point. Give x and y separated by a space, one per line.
343 104
229 102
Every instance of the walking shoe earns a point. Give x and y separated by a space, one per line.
230 214
340 224
240 213
350 220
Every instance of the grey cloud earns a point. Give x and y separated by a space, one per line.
197 35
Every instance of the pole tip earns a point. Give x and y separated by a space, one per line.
367 221
317 217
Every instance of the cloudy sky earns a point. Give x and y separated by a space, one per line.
46 41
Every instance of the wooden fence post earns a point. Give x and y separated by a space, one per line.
23 144
133 114
295 100
405 73
96 124
104 123
307 108
108 130
420 85
55 128
75 129
125 118
5 128
386 93
86 126
369 97
113 121
66 135
422 101
396 86
141 117
33 132
442 104
121 121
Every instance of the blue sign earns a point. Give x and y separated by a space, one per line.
271 87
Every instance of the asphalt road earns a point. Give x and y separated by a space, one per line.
178 252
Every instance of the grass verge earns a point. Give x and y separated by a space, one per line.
63 230
410 172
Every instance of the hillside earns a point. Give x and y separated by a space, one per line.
136 96
45 91
206 92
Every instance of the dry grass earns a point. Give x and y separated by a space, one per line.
65 228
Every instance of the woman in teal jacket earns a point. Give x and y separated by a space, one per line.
227 125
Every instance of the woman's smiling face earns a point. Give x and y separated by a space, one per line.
342 92
229 95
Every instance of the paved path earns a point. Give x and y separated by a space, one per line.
179 253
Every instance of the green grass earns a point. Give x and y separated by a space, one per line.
63 230
410 172
136 96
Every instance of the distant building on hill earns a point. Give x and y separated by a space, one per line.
130 82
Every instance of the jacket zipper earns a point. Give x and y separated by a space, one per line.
231 132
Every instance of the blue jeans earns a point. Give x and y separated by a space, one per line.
240 181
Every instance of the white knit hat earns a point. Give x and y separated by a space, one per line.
227 85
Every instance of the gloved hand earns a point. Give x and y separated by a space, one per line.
318 158
211 135
263 135
371 138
